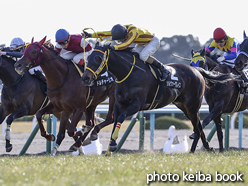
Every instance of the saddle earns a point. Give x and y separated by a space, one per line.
172 81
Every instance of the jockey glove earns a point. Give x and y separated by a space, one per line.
86 34
111 47
222 58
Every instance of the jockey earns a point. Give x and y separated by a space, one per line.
16 50
146 43
230 47
72 47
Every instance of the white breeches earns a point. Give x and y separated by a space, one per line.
147 50
74 56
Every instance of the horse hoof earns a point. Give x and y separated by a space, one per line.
108 153
93 137
73 148
53 138
9 148
112 148
192 136
211 149
221 150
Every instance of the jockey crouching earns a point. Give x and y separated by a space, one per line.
230 47
71 47
16 50
146 43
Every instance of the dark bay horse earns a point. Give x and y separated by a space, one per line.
21 95
242 59
222 98
137 86
66 92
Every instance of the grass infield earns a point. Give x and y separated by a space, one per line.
123 169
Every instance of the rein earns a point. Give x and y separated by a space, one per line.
14 83
105 63
42 61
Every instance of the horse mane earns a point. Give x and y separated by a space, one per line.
9 59
50 47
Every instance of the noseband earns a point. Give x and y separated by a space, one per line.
102 65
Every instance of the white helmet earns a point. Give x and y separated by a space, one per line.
16 43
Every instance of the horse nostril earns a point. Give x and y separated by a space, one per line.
86 79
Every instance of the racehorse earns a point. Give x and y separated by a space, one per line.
21 95
66 92
221 98
241 60
137 86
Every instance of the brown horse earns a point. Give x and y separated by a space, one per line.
221 98
21 95
136 88
66 92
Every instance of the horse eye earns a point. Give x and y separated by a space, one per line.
34 52
98 59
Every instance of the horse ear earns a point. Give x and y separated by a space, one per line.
42 41
192 52
32 41
203 52
244 35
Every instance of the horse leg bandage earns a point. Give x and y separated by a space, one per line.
7 135
116 132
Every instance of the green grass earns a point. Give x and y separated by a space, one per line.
119 169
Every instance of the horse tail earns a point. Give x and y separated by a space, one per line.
217 77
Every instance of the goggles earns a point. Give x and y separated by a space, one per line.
63 43
220 41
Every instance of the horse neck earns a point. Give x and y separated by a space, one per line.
119 66
55 69
211 63
8 75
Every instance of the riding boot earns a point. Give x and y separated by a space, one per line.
39 75
160 67
244 75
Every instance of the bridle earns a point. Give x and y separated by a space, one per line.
105 63
41 55
102 65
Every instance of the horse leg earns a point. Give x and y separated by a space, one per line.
211 116
193 114
20 112
130 110
217 122
89 114
76 117
49 109
61 134
109 120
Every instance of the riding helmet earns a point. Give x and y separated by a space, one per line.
16 43
62 35
118 32
219 34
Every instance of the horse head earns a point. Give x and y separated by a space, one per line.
32 56
198 59
242 60
97 61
